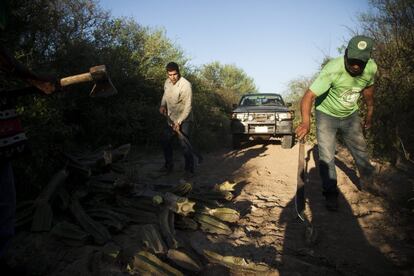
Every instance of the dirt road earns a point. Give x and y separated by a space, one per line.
367 236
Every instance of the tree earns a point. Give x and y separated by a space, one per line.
227 81
391 24
227 77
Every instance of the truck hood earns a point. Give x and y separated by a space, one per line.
258 109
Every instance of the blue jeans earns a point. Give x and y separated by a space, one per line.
7 205
167 146
326 129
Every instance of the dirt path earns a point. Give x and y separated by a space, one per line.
366 236
369 235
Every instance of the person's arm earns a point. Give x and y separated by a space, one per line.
13 67
368 94
187 100
163 105
305 109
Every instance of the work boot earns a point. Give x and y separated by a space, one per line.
331 202
366 183
166 169
187 175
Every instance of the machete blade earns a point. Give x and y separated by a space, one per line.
300 188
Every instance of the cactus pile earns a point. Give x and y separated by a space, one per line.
94 198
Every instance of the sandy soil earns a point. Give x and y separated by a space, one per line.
371 234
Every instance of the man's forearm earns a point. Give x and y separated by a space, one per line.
306 106
184 115
370 110
368 94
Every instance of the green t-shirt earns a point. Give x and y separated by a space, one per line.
337 91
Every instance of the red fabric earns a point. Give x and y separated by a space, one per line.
10 127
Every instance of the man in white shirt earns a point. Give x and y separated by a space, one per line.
176 105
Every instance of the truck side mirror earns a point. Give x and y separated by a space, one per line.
288 104
234 106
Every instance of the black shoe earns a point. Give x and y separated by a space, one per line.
187 175
167 169
331 203
366 183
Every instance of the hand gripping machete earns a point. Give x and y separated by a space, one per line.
197 156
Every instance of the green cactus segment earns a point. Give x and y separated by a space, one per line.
237 263
146 263
99 233
66 230
151 238
186 223
184 260
179 205
210 224
225 187
224 214
166 222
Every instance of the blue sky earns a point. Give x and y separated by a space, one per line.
273 41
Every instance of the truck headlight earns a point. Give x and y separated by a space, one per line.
239 116
250 118
284 116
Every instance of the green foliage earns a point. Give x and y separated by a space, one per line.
227 81
227 77
211 116
66 37
297 89
391 24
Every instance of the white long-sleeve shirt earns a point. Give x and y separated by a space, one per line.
178 100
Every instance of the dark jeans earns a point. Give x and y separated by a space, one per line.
350 127
167 137
7 205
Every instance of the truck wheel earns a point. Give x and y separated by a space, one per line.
287 141
236 141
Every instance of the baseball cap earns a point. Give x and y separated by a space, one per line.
360 47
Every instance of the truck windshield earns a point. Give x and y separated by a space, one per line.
256 100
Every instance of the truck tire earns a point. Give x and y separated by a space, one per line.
236 141
287 141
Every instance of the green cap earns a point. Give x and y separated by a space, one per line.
360 47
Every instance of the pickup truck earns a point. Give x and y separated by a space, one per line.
262 116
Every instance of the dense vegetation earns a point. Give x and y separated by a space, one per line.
66 37
71 36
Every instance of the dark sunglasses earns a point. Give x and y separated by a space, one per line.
358 62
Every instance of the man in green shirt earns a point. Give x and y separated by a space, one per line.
336 92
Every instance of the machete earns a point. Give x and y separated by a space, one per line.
310 231
300 188
184 138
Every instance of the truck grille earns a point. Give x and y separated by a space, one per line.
261 117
